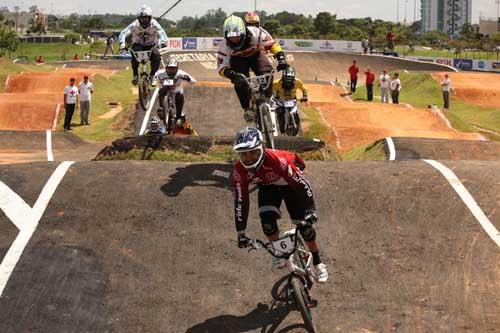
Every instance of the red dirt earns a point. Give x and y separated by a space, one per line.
30 99
356 124
476 88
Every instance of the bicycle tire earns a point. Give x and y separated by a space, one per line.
144 93
267 129
300 302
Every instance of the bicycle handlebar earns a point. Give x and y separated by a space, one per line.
255 83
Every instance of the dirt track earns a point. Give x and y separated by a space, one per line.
476 88
359 123
404 252
30 101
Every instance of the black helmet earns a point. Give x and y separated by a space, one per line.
288 78
250 139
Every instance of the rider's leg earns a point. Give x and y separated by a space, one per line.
281 119
179 103
161 96
260 65
135 63
269 198
155 59
241 65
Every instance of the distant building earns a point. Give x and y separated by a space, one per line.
489 26
447 16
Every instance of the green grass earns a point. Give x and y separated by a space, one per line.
116 89
8 68
57 51
447 53
370 152
314 126
421 90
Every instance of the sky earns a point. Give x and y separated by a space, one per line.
384 9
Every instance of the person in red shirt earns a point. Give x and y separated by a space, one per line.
279 177
370 78
353 71
390 40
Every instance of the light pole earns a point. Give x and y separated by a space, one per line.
498 15
397 11
255 5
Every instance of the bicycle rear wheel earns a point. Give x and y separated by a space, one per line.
144 92
299 295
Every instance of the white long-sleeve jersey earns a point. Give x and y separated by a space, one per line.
178 79
148 36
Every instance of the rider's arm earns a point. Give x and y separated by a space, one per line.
186 76
125 33
300 85
241 199
223 59
295 178
161 32
277 88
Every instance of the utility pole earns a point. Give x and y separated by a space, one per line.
397 11
498 15
255 5
406 3
415 10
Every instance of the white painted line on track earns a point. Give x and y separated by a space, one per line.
469 201
7 82
25 219
148 112
56 116
392 148
50 156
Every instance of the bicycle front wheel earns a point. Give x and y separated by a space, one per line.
267 127
299 295
144 93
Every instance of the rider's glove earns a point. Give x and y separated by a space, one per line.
311 217
304 99
282 64
187 78
242 241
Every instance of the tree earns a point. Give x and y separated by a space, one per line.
33 9
272 26
324 23
8 40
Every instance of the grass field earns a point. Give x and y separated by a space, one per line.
402 50
116 90
56 51
421 90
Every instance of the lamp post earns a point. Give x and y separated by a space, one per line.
255 5
397 11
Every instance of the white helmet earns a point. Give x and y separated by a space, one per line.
250 139
144 15
172 67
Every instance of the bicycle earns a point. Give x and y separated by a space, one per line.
266 120
291 247
291 116
143 86
166 114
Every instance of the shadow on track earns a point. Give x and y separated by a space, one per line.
210 174
265 317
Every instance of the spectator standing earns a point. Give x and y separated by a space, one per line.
365 44
390 40
85 90
353 71
446 86
70 99
76 57
87 56
370 78
109 46
384 82
40 60
395 88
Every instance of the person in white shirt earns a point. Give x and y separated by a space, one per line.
70 99
446 86
171 72
384 82
395 88
85 89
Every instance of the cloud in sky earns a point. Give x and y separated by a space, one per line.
384 9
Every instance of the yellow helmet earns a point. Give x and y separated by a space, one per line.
252 19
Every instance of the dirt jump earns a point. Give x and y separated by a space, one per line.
150 246
475 88
33 101
354 124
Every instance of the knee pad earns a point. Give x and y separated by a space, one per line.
269 225
308 233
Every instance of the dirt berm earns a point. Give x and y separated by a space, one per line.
422 148
149 247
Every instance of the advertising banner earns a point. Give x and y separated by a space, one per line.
495 66
189 43
174 43
464 64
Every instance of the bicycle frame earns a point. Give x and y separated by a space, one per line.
258 86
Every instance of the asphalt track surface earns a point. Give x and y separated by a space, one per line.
149 246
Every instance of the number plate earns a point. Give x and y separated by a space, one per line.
289 104
142 55
168 83
283 245
262 79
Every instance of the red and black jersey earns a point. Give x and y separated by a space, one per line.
280 168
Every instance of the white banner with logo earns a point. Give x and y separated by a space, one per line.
463 64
